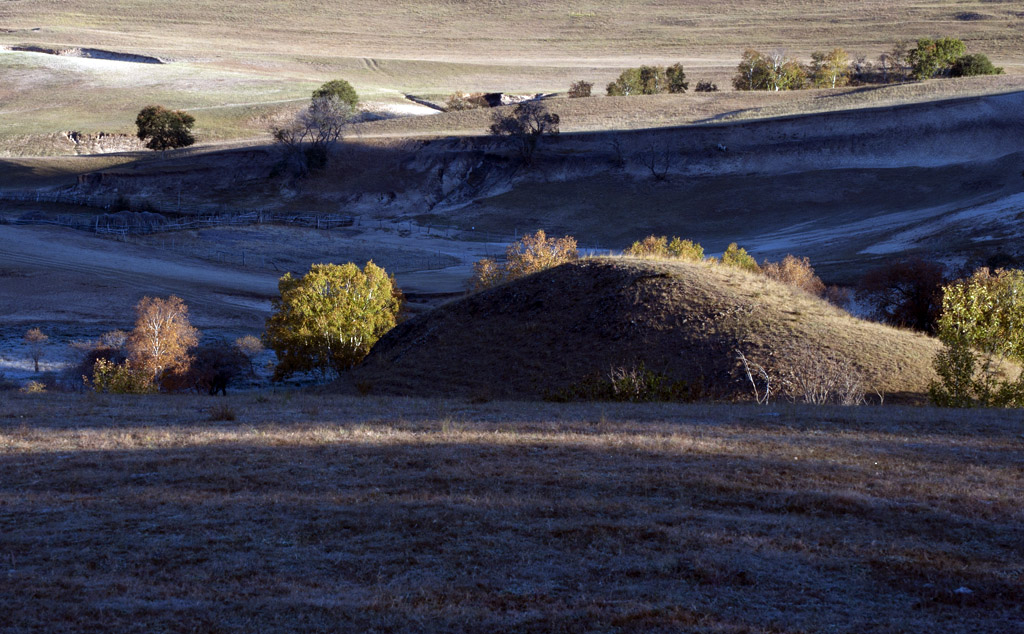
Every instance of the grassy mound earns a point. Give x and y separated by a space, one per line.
574 324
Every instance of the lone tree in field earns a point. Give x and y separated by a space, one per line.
329 318
524 126
162 336
35 339
164 129
340 89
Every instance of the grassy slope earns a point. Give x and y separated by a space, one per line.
334 514
533 337
240 65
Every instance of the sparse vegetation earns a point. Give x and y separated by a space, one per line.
459 101
328 319
633 384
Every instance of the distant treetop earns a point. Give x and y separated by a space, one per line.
338 88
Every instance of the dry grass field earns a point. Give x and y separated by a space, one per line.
326 514
239 66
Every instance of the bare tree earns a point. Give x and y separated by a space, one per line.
657 158
524 126
35 339
310 137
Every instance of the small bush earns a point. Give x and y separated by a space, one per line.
33 387
461 101
706 86
580 89
737 257
973 65
821 379
796 272
982 328
111 378
651 246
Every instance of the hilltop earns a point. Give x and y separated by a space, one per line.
546 333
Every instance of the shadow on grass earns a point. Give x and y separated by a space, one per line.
457 536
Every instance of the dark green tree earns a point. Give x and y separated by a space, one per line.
524 126
971 65
339 88
935 58
165 129
676 79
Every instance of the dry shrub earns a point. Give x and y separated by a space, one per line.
821 379
634 384
530 254
905 293
580 89
33 387
796 272
838 296
461 101
660 247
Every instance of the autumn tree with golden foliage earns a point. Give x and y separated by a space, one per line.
530 254
329 318
796 272
35 338
162 336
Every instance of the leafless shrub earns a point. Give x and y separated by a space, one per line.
821 379
761 380
657 158
618 153
580 89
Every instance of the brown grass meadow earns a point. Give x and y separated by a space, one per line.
287 512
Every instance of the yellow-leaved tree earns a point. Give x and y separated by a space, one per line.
329 318
162 336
